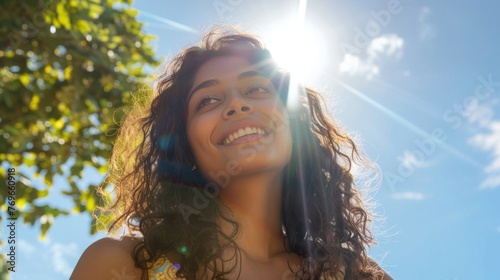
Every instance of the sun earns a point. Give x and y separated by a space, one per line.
301 50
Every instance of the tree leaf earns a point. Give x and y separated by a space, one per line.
53 94
24 79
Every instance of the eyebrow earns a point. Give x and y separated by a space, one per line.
250 74
213 82
205 84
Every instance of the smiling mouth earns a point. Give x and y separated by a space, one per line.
242 132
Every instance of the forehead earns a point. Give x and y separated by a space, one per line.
223 67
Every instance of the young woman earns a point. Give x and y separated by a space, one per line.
217 178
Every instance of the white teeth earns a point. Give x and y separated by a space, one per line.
242 132
236 135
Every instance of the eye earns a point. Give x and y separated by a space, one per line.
206 101
257 89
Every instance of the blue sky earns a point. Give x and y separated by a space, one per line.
418 82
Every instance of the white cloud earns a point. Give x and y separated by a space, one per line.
60 254
491 182
408 196
481 114
390 45
490 142
426 31
410 160
353 65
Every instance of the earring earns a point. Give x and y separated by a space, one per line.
194 167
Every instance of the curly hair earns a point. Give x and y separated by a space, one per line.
161 198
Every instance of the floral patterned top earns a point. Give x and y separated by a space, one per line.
163 269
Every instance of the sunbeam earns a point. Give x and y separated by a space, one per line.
171 23
293 92
407 123
412 100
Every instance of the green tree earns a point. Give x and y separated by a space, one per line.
66 68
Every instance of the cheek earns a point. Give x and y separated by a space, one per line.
195 137
286 135
284 122
199 132
279 117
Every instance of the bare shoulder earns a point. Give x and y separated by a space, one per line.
108 259
384 275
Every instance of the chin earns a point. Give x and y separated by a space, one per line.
253 158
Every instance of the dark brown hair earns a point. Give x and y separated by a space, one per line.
162 199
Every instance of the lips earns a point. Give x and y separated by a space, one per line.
247 131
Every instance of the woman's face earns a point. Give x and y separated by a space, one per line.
237 124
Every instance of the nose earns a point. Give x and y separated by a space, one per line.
236 106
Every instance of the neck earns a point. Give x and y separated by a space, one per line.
254 202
